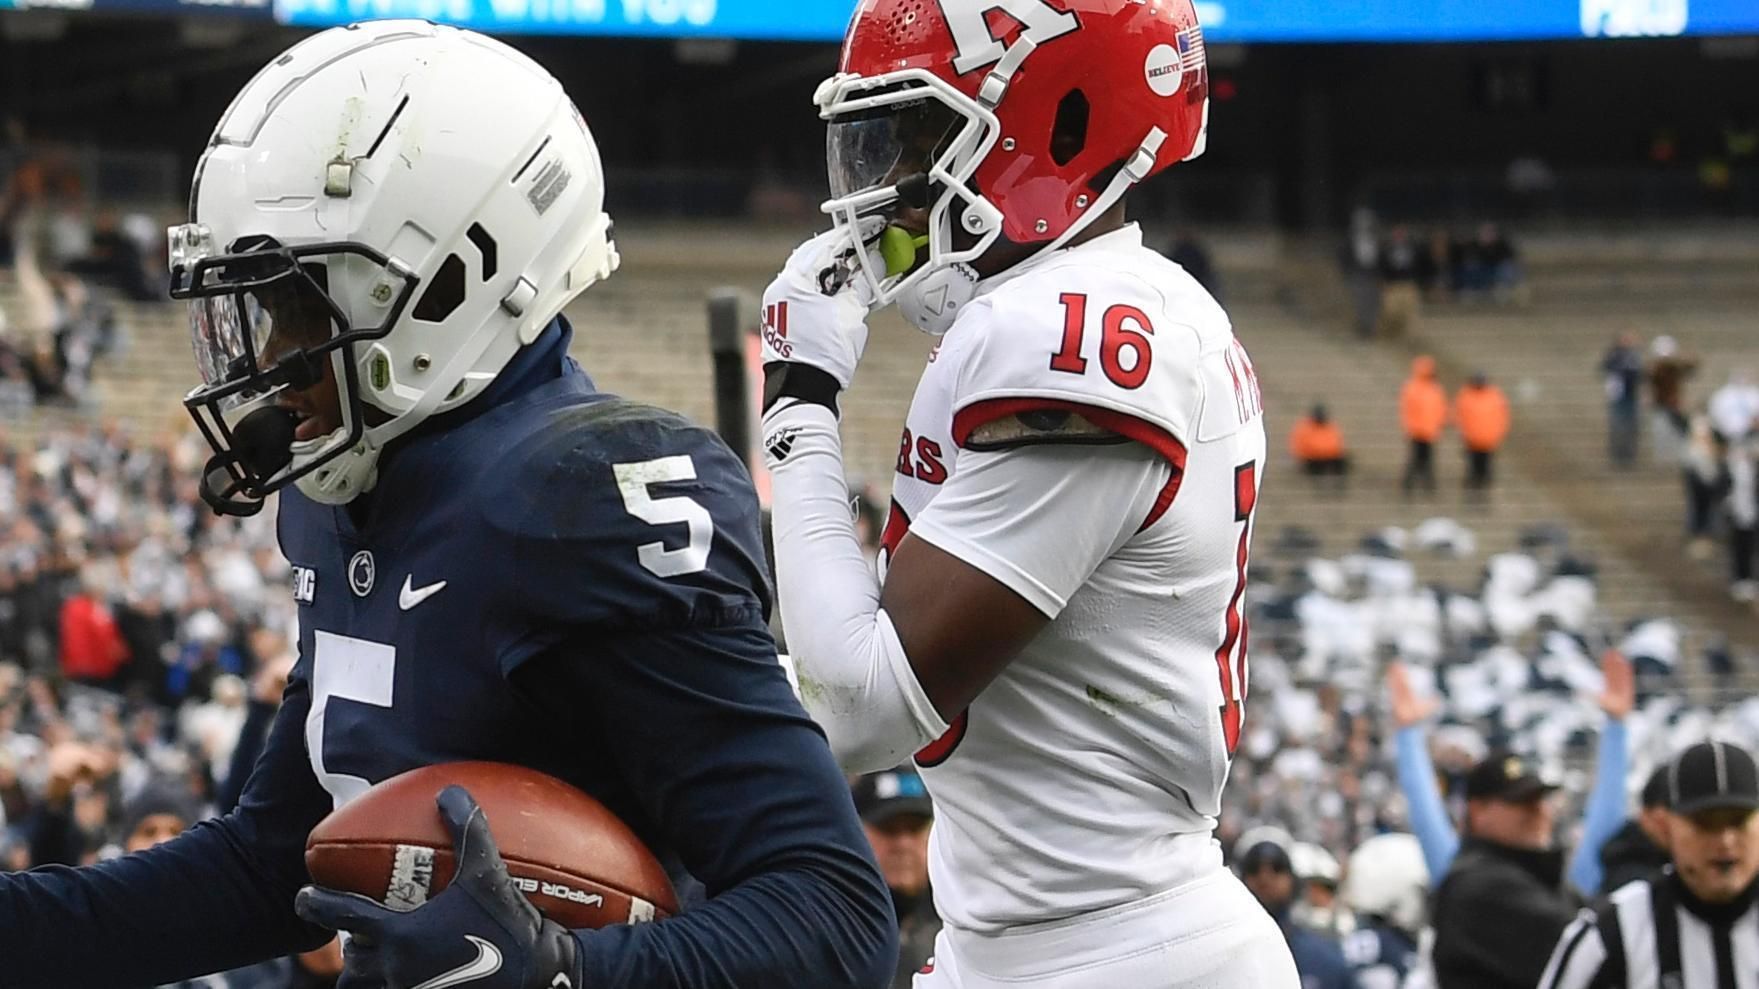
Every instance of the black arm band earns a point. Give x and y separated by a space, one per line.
801 382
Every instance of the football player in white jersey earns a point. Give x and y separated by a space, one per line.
1056 629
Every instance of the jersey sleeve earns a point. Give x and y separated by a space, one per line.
740 783
620 518
1097 351
217 897
1040 520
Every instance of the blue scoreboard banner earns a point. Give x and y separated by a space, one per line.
1239 21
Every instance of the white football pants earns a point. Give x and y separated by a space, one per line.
1207 934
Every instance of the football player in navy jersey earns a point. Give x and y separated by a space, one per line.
492 560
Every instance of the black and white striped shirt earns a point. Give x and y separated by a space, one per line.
1653 934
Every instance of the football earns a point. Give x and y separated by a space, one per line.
576 862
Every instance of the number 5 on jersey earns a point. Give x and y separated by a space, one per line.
634 482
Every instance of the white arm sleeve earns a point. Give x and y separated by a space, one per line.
852 674
1039 520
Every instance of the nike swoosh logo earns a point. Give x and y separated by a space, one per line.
411 596
486 963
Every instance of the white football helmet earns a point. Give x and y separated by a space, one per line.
412 203
1388 878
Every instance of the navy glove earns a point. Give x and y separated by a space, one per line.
480 931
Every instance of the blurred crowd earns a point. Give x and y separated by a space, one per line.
1393 272
136 630
66 262
1713 443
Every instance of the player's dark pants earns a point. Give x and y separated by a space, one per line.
1478 468
1421 466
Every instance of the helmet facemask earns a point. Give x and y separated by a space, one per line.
264 322
907 140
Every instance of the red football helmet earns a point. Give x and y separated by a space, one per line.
1022 119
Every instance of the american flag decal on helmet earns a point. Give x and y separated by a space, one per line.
1190 43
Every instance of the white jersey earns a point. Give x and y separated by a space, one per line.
1089 773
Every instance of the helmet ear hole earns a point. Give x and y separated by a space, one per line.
1069 133
444 294
486 245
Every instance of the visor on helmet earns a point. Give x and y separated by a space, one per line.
879 147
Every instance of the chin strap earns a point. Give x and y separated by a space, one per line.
934 302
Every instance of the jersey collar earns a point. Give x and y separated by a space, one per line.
1126 238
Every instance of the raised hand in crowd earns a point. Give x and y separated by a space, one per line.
1408 708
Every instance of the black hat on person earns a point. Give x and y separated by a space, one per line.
160 797
1655 790
882 797
1710 776
1263 854
1503 775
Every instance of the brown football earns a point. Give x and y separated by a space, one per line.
575 861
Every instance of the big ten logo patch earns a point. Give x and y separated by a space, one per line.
305 585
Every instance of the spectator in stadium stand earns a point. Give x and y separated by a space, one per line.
1189 253
116 261
1489 266
1622 368
1604 812
1318 446
897 813
1734 408
67 825
1668 371
1438 266
1482 412
1693 925
165 810
1502 904
1360 260
1706 476
1269 873
92 650
1423 411
1640 847
1401 302
1743 516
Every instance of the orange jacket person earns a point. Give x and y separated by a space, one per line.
1423 410
1482 410
1318 445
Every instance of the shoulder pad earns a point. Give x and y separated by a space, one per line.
1135 342
614 513
1036 427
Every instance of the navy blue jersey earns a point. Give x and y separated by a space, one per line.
563 580
1382 956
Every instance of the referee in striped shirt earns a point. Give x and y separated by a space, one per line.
1693 925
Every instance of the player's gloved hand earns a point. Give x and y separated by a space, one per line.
815 319
480 931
